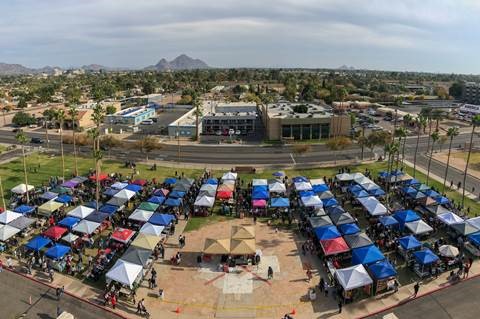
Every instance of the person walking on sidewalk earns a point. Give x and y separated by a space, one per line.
415 289
340 306
270 272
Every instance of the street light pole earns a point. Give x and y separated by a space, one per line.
178 143
1 195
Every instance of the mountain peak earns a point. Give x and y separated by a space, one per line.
181 62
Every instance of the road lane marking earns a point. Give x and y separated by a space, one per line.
293 160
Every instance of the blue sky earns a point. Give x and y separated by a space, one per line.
405 35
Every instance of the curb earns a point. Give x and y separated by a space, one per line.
66 292
425 294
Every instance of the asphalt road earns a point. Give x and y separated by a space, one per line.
460 302
16 291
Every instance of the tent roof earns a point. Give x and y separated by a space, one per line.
243 232
119 185
224 194
124 272
137 256
161 219
49 195
173 202
177 194
320 221
22 222
299 179
437 210
358 240
388 220
217 246
280 202
107 208
134 187
418 227
38 243
260 203
343 218
156 199
125 194
277 187
86 227
80 212
22 189
161 192
7 231
151 229
326 232
464 228
303 186
24 209
211 181
229 176
353 277
226 187
205 201
344 177
57 252
326 195
209 187
70 238
450 218
334 210
49 207
69 222
55 232
373 206
148 206
64 199
349 229
329 202
97 217
260 194
123 235
242 246
311 201
117 201
409 242
170 180
475 222
382 269
425 256
146 241
366 255
320 188
9 216
334 246
405 216
317 181
259 182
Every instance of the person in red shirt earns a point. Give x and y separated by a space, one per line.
113 301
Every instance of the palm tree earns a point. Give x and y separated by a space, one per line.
391 149
437 116
475 123
421 123
401 133
427 113
73 112
407 120
435 136
97 117
22 140
48 116
60 118
451 133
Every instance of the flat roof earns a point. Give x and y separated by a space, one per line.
133 111
286 111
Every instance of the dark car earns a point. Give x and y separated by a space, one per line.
36 140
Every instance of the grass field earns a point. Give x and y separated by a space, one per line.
474 159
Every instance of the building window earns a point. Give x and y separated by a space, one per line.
297 132
315 131
286 131
325 129
306 132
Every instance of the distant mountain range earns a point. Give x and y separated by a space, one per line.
182 62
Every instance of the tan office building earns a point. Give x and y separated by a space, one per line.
303 121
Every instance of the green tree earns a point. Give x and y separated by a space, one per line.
435 136
475 123
22 140
110 109
48 116
23 119
98 116
427 112
437 116
22 103
451 133
456 90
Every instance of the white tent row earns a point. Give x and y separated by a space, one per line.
151 229
277 187
449 218
303 186
140 215
259 182
22 189
418 227
125 273
373 206
353 277
229 176
81 212
312 201
204 201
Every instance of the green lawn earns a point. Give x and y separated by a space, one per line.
195 223
2 148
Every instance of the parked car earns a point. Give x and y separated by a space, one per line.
36 140
218 133
238 132
231 131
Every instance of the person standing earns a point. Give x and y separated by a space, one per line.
113 300
416 288
321 284
340 306
270 272
309 275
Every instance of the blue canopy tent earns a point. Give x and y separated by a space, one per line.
306 193
108 209
170 180
409 242
382 270
422 187
412 182
442 200
161 219
355 188
299 179
134 188
425 257
335 210
327 232
97 217
278 202
156 200
64 199
48 195
388 221
260 194
409 190
360 194
383 174
260 188
329 202
366 255
406 216
474 238
25 209
320 188
377 192
57 252
69 222
92 204
176 194
173 202
432 193
349 229
211 181
278 174
110 192
37 243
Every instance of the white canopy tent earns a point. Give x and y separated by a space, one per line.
117 201
81 212
277 187
7 232
373 206
125 273
229 176
9 216
125 194
362 180
450 218
208 187
475 222
370 186
151 229
356 176
86 227
259 182
303 186
140 215
353 277
418 227
205 201
312 201
22 189
317 181
344 177
70 238
119 185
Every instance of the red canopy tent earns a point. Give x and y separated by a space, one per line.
55 232
122 235
101 177
259 203
334 246
224 195
140 182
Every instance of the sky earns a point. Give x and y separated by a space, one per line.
404 35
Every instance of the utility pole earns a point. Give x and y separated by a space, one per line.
1 195
178 143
